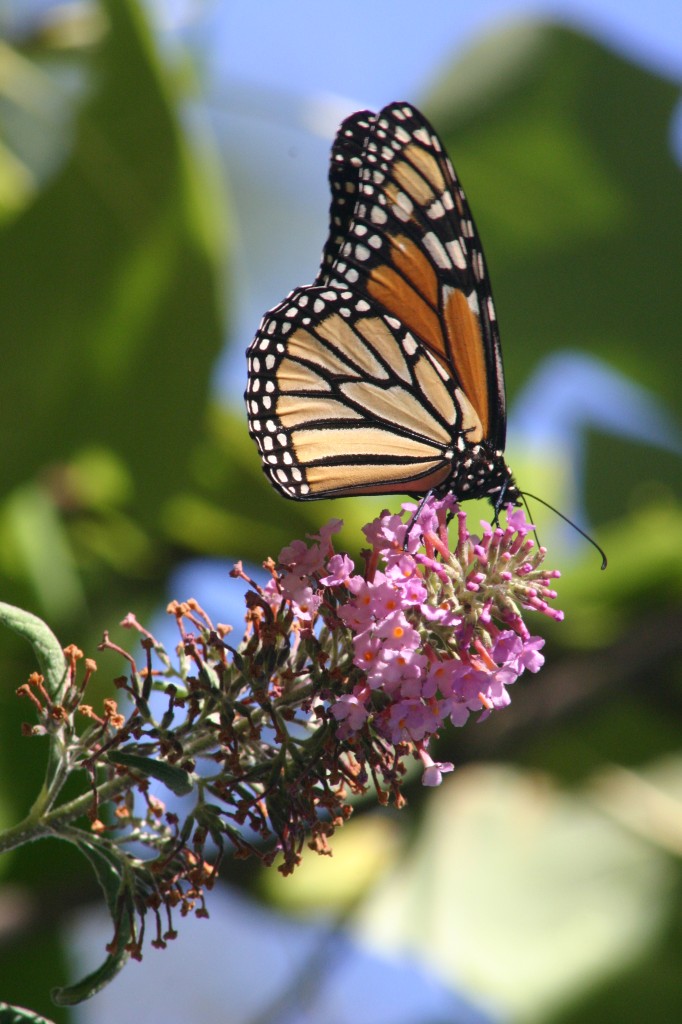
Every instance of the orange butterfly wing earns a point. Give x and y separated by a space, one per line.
385 375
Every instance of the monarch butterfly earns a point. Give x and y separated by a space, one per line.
385 375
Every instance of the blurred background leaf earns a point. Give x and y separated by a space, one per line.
111 303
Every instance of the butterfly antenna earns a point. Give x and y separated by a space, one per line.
525 494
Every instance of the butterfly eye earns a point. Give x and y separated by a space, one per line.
385 375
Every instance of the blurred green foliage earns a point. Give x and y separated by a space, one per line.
116 463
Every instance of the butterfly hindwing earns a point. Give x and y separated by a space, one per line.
343 400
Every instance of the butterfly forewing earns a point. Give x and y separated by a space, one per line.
412 245
345 168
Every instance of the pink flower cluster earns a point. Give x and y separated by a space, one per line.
435 631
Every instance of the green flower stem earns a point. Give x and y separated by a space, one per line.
26 831
41 822
37 826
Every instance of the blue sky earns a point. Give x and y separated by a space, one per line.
374 51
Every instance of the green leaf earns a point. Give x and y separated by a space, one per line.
47 648
117 888
20 1015
34 531
176 779
596 613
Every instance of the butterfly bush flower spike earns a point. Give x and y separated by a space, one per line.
344 675
436 632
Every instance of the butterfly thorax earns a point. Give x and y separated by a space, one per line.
482 473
